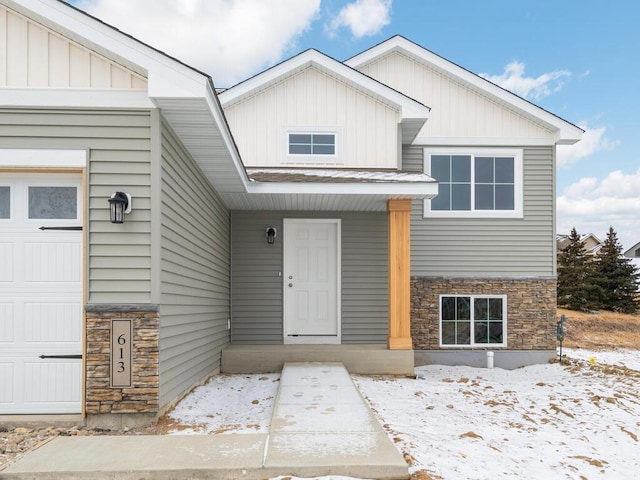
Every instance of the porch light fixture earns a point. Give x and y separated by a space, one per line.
271 233
119 204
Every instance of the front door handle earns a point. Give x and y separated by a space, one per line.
290 285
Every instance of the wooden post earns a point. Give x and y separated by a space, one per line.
399 213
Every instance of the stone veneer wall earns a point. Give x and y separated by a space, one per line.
531 309
143 396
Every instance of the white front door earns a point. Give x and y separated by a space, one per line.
40 293
311 281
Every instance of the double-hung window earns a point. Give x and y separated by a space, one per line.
473 320
475 183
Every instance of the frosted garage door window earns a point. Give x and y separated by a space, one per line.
5 202
53 202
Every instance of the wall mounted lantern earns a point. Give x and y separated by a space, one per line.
271 233
119 204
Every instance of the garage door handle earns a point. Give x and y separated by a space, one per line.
60 228
60 356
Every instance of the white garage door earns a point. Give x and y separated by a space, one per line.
40 293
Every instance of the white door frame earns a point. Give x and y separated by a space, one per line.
312 339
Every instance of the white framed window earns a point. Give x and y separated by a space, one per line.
6 202
312 145
473 320
478 182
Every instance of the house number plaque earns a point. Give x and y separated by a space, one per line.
121 335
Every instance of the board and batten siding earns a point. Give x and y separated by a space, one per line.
118 145
456 110
195 269
257 300
32 55
489 247
367 134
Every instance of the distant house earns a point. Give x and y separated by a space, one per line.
633 252
390 210
592 244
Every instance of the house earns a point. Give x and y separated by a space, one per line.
592 244
384 211
633 252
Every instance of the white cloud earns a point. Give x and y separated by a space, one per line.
513 79
593 140
228 39
592 205
363 17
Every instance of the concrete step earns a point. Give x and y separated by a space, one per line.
364 359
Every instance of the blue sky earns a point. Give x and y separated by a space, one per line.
578 59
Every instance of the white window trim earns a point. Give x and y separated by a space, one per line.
472 344
32 158
518 171
291 159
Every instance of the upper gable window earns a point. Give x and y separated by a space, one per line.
475 183
312 145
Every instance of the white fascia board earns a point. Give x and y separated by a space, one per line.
220 120
76 98
410 109
167 77
567 133
412 190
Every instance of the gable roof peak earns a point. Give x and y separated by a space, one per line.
566 132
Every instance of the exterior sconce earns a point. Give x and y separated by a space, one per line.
271 233
119 204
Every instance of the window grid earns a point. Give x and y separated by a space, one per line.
472 320
312 144
490 186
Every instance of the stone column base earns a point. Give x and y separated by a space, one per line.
140 402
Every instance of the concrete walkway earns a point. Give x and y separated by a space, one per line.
320 426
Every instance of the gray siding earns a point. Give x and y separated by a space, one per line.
118 143
488 247
194 301
257 286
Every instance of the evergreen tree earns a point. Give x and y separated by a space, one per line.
619 277
578 285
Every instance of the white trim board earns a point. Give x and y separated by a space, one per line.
18 158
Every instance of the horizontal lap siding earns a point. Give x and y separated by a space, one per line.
486 247
194 302
257 302
118 143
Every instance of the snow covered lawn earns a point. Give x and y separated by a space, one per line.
576 420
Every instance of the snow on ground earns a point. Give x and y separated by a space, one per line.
228 404
578 420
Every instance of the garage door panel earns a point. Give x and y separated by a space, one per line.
53 322
6 260
52 262
52 381
6 323
7 382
